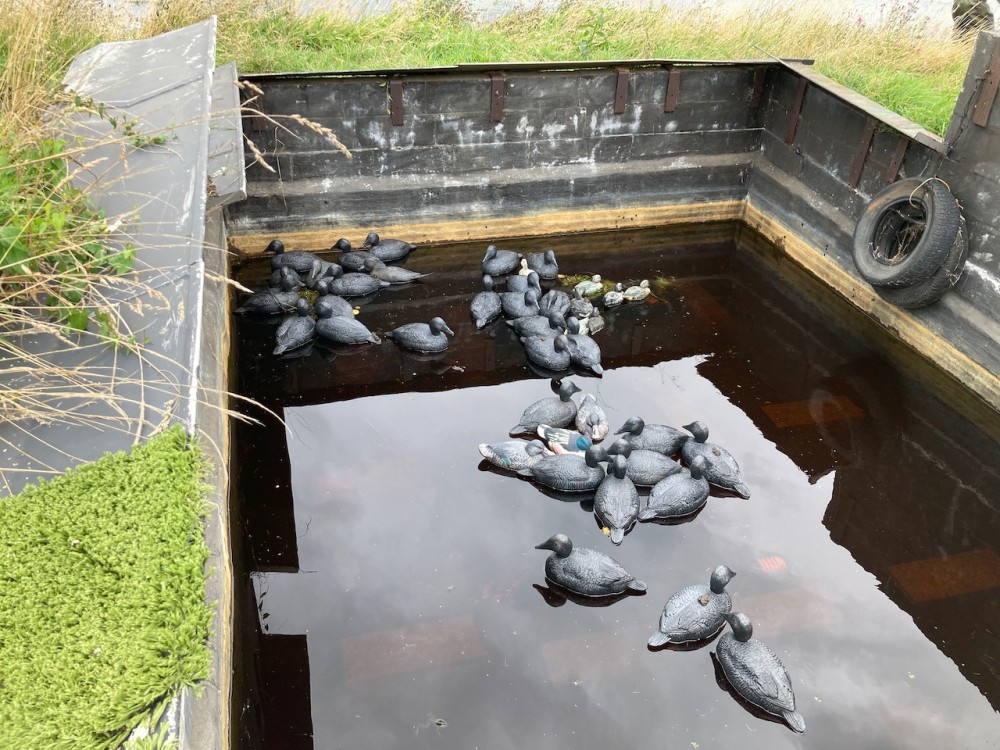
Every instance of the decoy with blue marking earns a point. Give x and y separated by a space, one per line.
615 297
538 325
544 264
590 417
558 411
679 494
584 352
486 307
518 283
579 307
586 571
695 613
295 330
343 329
498 262
756 673
387 251
520 304
353 284
616 503
637 293
645 468
564 440
589 288
570 472
392 274
653 437
551 354
325 300
514 455
300 261
274 301
422 337
724 471
554 301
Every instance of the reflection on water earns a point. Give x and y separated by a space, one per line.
394 599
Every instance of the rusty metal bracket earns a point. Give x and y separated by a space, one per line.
861 155
396 100
497 82
758 87
673 89
896 162
793 115
621 90
988 94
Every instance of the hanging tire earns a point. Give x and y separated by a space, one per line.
905 233
931 290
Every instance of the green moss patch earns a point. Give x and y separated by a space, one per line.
102 606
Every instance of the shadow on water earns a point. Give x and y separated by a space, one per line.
387 577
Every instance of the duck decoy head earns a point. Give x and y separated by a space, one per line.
596 278
371 239
336 271
531 298
573 325
533 282
741 625
323 286
561 343
343 244
720 577
621 447
289 280
699 430
618 466
535 448
557 321
550 256
558 543
487 282
698 468
438 326
567 387
302 307
275 246
371 264
594 455
633 426
491 252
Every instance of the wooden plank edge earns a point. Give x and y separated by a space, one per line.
899 322
489 229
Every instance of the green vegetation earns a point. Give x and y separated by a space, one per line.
102 609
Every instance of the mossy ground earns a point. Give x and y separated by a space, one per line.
102 610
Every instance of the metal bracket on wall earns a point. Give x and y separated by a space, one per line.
673 89
861 155
896 162
988 94
497 81
396 100
793 115
758 87
621 90
253 107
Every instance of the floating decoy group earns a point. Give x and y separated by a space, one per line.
556 442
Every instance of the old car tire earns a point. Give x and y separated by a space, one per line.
905 233
932 289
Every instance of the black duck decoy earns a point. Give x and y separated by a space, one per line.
679 494
498 262
557 411
300 261
518 283
584 352
486 307
393 274
554 301
644 468
723 470
295 330
548 326
422 337
570 472
695 613
344 329
520 304
756 673
350 259
544 264
585 571
387 251
653 437
552 354
353 284
616 503
274 301
325 300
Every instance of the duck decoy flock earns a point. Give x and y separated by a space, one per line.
556 442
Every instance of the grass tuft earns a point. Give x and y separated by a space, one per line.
102 609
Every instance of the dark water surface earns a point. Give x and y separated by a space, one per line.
391 597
